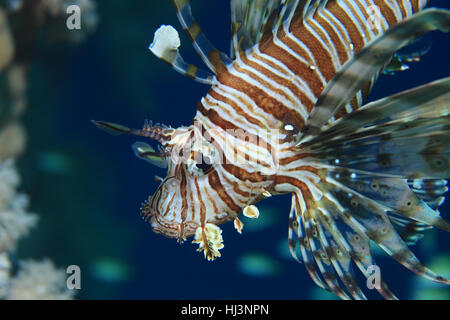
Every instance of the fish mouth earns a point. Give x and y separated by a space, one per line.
169 229
172 223
175 227
172 229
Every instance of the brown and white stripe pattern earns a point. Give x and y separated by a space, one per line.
275 87
274 84
277 83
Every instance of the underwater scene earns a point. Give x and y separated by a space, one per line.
71 195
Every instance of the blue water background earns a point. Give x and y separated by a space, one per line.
87 186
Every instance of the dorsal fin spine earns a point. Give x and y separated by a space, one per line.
202 45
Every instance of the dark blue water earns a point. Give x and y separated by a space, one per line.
87 186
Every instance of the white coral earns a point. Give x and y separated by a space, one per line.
15 221
5 269
35 280
39 281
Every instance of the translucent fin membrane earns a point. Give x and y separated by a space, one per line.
427 101
381 172
372 220
165 46
391 154
404 136
400 61
315 236
393 194
366 63
211 56
429 190
409 230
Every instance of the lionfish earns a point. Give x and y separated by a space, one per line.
285 114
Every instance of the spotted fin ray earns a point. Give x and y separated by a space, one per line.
345 220
320 251
401 136
393 194
429 190
409 230
387 151
426 101
298 235
381 168
250 21
372 219
340 245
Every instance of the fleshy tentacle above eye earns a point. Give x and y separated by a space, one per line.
165 46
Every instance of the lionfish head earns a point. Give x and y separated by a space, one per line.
187 198
183 201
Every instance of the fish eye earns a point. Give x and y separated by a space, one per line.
199 164
205 164
204 167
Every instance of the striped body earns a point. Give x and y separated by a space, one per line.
261 90
286 115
